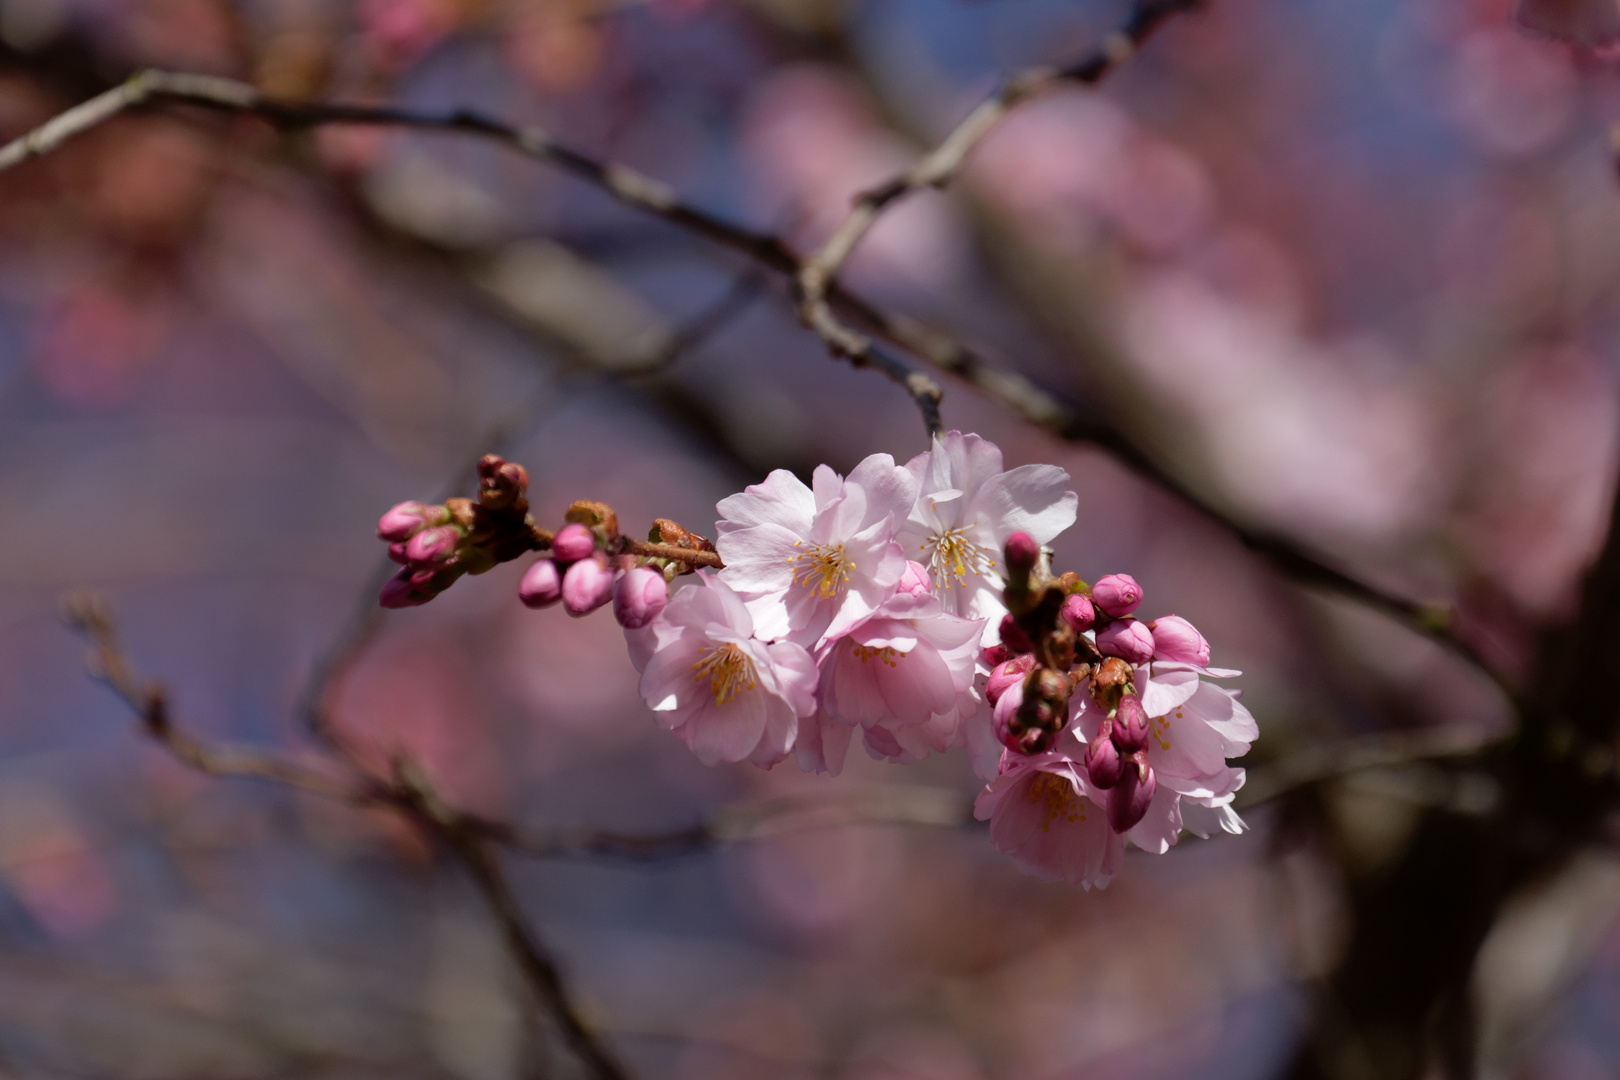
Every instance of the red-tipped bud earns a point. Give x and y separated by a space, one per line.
404 520
573 543
1131 724
1103 762
1078 613
431 548
1128 639
1013 636
1174 638
398 592
587 585
1021 552
1128 800
995 656
914 582
1117 594
1007 674
541 585
638 598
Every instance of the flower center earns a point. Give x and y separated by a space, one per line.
728 670
822 568
954 555
886 655
1060 799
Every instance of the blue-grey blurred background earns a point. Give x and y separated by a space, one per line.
1349 269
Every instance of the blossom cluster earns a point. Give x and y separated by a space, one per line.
913 606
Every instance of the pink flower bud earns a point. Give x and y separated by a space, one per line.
396 551
431 547
1077 612
638 598
1001 717
587 585
995 655
1103 762
1131 724
1021 552
914 582
541 585
1128 800
1117 595
406 519
1006 674
1174 638
1128 639
1013 636
398 592
573 543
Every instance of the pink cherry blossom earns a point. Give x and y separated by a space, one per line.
728 695
812 562
1044 813
1194 726
966 509
905 675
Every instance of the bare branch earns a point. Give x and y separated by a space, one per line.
88 615
819 273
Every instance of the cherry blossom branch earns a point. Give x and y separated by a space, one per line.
819 272
634 189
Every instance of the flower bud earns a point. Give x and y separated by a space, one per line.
1048 685
1010 731
431 548
587 585
1128 639
1128 800
1077 612
396 552
1013 636
914 582
398 592
1117 595
404 520
1103 761
1021 552
573 543
1174 638
541 585
638 598
1111 677
995 655
1131 724
1006 674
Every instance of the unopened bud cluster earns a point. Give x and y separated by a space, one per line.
907 609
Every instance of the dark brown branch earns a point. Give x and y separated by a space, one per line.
1011 389
475 852
819 273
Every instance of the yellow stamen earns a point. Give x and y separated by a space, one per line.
1060 799
953 555
822 568
888 654
1163 723
728 670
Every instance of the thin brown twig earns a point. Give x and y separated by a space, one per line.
818 274
1010 388
89 616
